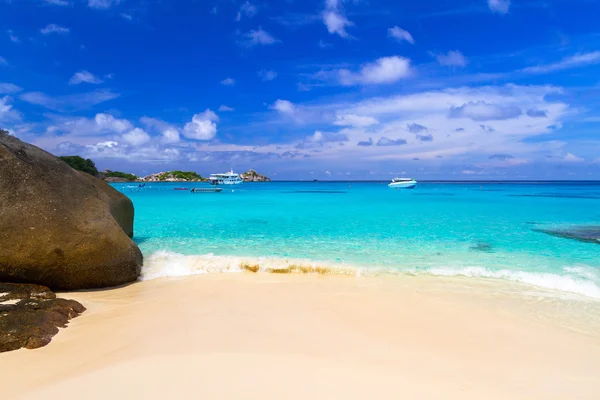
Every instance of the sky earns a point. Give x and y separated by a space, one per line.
303 89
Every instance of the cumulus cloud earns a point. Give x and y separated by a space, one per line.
384 70
136 137
499 6
202 127
400 35
84 77
169 133
425 138
225 108
452 59
13 38
354 120
365 143
482 111
285 107
572 158
7 112
416 128
266 75
247 9
537 113
258 37
228 82
57 2
53 28
383 141
326 137
102 4
334 18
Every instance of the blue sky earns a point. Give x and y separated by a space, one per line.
328 89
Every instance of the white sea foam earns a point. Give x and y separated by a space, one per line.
579 280
564 283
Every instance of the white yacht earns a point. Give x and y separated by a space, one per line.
228 178
403 183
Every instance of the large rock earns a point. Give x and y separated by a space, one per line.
30 315
59 227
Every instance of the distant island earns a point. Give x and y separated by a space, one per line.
253 176
88 166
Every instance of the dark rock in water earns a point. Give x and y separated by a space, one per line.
587 234
30 315
483 247
59 227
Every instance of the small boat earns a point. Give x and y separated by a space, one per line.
206 190
181 189
228 178
403 183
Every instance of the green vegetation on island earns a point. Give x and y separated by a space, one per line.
179 176
81 164
117 174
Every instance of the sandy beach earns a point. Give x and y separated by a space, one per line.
232 336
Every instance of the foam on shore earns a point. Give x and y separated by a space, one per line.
162 264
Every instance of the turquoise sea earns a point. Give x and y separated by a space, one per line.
482 230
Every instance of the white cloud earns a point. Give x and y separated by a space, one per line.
7 112
106 122
381 71
354 120
3 61
225 108
71 102
258 37
334 18
327 137
284 107
170 135
266 75
126 16
57 2
401 35
202 127
7 88
578 60
136 137
13 38
499 6
247 9
84 77
53 28
228 82
572 158
102 4
452 59
482 111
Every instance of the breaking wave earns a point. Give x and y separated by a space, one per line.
161 264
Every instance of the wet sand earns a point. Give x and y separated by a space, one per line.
269 336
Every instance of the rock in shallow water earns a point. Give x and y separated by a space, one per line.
59 227
30 315
587 234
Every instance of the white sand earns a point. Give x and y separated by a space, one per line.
245 336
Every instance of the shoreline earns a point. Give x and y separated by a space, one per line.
294 336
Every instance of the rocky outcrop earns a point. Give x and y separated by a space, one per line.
59 227
30 315
253 176
173 176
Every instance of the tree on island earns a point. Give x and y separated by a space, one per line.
81 164
117 174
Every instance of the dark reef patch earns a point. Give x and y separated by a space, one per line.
482 247
316 191
586 234
557 195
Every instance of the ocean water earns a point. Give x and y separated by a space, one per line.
480 230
